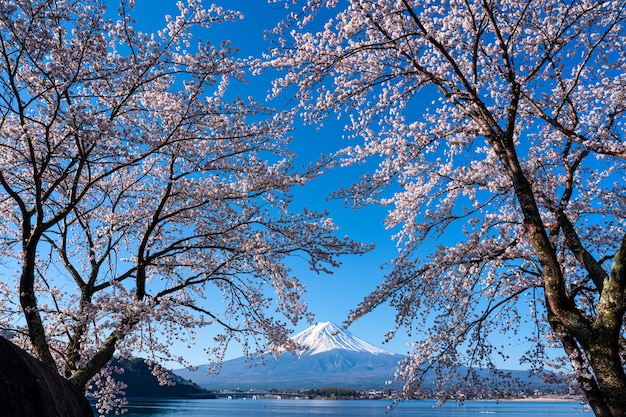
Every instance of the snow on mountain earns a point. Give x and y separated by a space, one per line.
326 336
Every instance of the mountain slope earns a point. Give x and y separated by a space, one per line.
337 368
141 383
330 357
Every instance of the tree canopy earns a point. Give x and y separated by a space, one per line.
139 199
498 131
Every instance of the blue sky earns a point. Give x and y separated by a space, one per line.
330 297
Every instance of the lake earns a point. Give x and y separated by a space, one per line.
360 408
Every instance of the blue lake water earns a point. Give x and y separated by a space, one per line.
361 408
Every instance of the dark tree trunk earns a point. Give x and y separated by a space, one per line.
30 389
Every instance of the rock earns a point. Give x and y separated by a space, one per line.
29 389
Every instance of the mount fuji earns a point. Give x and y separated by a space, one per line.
324 337
330 356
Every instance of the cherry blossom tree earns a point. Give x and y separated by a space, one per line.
139 199
497 128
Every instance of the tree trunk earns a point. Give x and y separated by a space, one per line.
609 373
591 342
28 300
596 395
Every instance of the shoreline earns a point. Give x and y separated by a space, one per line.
544 399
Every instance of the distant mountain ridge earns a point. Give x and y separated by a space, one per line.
330 357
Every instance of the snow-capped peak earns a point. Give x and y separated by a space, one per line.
326 336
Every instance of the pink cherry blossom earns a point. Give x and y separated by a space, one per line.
140 201
498 132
